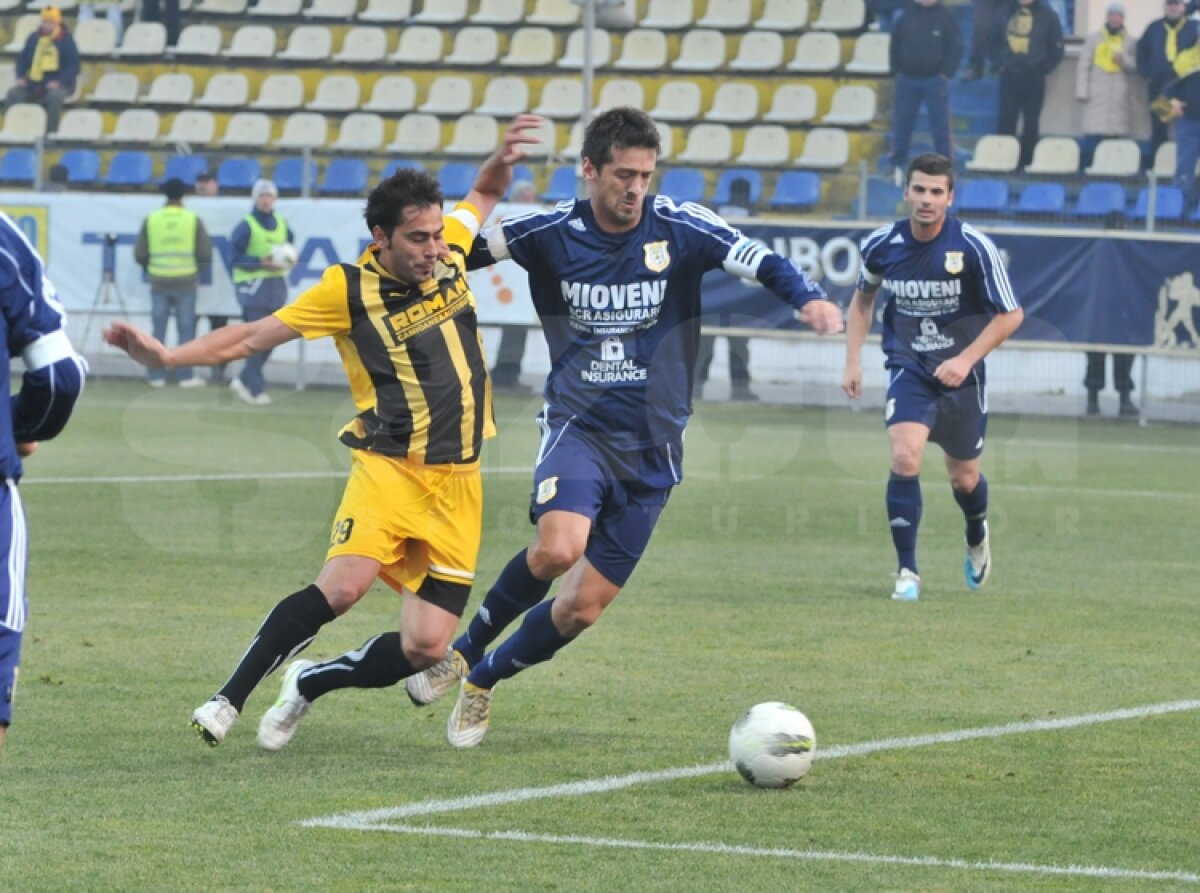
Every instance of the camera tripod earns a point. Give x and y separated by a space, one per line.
108 294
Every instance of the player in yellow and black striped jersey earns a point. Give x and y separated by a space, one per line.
404 322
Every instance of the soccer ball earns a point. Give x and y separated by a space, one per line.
284 256
772 745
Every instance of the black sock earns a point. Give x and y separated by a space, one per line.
287 631
380 662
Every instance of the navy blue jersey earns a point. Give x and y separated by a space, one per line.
939 294
621 311
33 321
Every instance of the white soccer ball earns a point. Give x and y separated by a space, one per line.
284 256
772 745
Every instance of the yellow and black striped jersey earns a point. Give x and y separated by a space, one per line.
413 354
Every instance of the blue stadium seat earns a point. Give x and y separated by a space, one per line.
129 169
561 187
1100 200
981 196
1195 218
401 164
682 184
238 174
1042 199
722 194
83 166
185 168
289 172
796 189
457 178
1168 204
345 175
18 166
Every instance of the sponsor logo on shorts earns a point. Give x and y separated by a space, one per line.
890 409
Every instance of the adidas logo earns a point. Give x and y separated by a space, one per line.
899 522
897 240
576 223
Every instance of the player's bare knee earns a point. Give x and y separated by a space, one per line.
422 652
551 558
964 481
906 462
342 595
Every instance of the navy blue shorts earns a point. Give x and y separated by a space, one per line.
622 491
12 593
956 417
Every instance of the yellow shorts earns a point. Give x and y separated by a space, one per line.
421 522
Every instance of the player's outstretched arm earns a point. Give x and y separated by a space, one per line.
824 317
858 323
495 175
222 345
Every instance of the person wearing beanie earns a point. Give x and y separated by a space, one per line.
1157 49
173 248
47 68
260 283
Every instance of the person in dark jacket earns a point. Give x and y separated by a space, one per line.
47 68
1184 94
1027 44
926 48
1158 47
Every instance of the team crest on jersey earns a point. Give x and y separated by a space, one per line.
547 490
954 262
658 257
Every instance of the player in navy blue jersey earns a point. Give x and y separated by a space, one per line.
948 305
33 322
615 279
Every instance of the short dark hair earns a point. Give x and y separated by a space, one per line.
619 128
933 165
404 189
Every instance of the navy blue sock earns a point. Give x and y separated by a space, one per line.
537 640
974 507
904 517
515 591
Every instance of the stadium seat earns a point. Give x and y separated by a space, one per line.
441 12
238 174
841 15
172 88
448 95
783 15
1164 161
399 164
386 11
681 184
393 93
561 98
345 176
497 12
135 126
870 54
83 166
306 43
817 52
572 56
574 146
758 51
95 38
726 15
359 132
18 166
419 45
554 13
981 196
562 184
143 40
289 175
225 90
1041 199
247 130
796 189
192 127
853 105
24 124
723 194
643 49
996 154
827 148
530 47
334 10
115 88
303 130
708 144
363 45
1054 156
276 8
547 145
129 170
1100 200
456 178
700 51
504 97
220 7
25 25
677 101
184 167
78 126
666 140
335 93
1169 204
417 134
765 145
735 102
792 104
670 15
619 93
198 42
473 135
252 43
475 45
279 93
1115 158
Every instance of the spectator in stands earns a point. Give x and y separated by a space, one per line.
173 247
925 50
46 68
1184 94
56 179
206 184
886 13
1104 80
112 12
1158 47
511 350
983 18
167 12
1027 45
